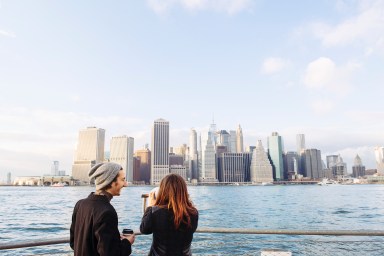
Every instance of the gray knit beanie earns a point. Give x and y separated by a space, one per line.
104 173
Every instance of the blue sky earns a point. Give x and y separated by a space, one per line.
312 67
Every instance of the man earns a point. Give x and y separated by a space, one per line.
94 229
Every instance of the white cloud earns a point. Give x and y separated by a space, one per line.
227 6
324 74
366 27
7 34
273 65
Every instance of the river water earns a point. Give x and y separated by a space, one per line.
45 212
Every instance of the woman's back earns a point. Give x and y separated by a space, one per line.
167 240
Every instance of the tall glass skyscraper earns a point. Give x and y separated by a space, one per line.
313 164
275 152
193 155
159 150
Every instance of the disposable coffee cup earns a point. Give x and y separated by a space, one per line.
127 231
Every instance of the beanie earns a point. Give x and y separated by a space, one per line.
104 173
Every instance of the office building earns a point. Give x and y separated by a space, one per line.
223 139
144 156
159 151
234 167
239 140
180 170
261 168
89 151
176 159
275 153
313 167
55 168
121 152
300 145
331 161
291 161
358 169
208 159
249 149
232 141
136 171
193 155
339 170
9 178
379 156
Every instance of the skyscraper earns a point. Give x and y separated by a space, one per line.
208 158
121 152
160 150
223 139
275 152
234 167
239 140
331 161
300 144
261 168
379 155
55 168
144 155
291 160
340 168
90 151
358 169
232 141
313 164
193 155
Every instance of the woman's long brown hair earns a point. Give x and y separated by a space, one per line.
173 195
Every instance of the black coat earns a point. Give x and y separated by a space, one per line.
167 241
94 229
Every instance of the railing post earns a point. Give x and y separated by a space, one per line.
144 196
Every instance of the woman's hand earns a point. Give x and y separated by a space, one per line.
152 198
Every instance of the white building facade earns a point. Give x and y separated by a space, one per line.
121 152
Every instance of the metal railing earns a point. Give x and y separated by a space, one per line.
243 231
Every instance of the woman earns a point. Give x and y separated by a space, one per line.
172 218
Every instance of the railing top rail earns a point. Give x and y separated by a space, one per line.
34 243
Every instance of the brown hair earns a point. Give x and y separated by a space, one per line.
173 195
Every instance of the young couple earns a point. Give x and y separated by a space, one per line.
171 217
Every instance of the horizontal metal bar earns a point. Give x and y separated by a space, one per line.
34 243
292 232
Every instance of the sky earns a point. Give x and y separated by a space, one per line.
311 67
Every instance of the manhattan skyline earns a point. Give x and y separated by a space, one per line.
312 68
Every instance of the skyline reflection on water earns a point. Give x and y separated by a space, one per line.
45 212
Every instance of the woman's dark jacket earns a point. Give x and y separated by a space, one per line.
94 229
166 239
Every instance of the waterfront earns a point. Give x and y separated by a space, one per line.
45 212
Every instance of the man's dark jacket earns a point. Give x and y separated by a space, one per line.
94 229
167 241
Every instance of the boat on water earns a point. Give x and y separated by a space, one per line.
267 184
326 182
59 184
